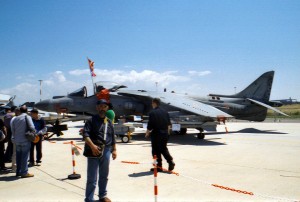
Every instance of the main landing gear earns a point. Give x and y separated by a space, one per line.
201 134
183 131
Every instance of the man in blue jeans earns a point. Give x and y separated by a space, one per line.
19 126
99 133
41 129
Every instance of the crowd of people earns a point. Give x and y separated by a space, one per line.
15 148
99 137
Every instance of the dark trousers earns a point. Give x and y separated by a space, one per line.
2 164
9 151
39 155
159 147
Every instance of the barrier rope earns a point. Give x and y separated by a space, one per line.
192 178
168 171
218 186
71 142
163 169
215 185
232 189
130 162
74 151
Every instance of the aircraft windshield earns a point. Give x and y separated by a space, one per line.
107 85
82 92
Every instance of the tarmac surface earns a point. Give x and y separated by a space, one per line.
252 162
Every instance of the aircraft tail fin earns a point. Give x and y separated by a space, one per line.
258 93
260 89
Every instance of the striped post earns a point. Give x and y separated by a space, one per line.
155 178
226 129
73 157
74 175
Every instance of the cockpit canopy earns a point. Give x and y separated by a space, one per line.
111 86
82 92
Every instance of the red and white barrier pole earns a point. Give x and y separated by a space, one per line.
155 178
73 157
74 175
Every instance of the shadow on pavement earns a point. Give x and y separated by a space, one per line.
249 130
141 174
176 140
8 178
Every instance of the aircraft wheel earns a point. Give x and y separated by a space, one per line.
200 130
183 131
175 133
201 136
125 139
59 134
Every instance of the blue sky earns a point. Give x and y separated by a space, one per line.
192 46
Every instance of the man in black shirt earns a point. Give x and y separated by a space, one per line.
100 144
158 128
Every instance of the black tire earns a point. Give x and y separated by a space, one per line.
200 130
183 131
125 139
175 133
201 136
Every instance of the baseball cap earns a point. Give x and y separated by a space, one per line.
102 101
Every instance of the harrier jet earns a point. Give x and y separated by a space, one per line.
6 101
187 111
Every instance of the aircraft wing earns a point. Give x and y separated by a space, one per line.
180 102
267 106
194 106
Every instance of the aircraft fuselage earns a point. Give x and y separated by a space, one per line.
240 108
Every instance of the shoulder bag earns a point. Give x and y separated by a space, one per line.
101 145
30 134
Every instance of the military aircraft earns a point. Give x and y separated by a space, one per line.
288 101
187 111
6 101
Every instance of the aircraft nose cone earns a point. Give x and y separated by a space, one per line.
42 105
